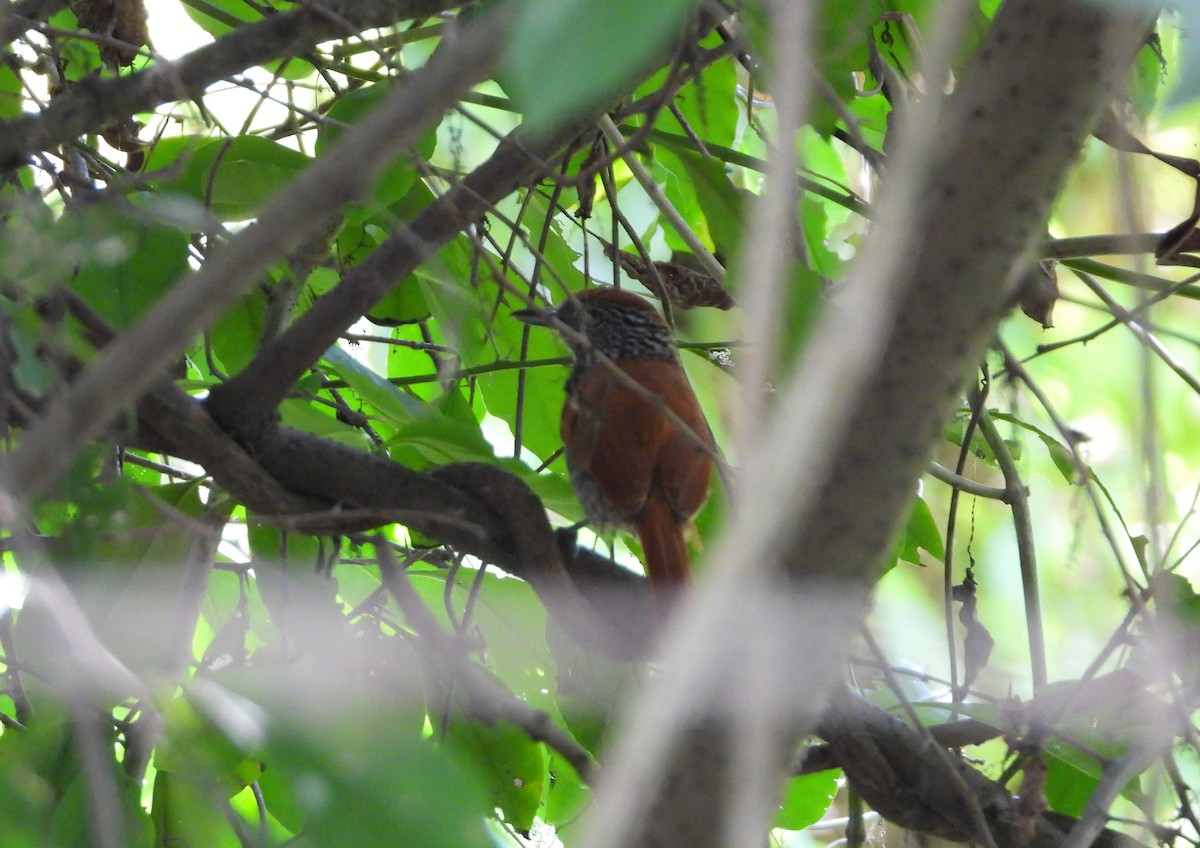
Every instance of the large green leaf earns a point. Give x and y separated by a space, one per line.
566 794
708 103
236 335
451 435
394 405
565 56
538 396
358 785
219 17
319 420
1059 453
237 177
719 199
302 601
395 181
132 260
514 766
122 551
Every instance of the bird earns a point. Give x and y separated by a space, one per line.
630 462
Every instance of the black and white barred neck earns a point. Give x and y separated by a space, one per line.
618 324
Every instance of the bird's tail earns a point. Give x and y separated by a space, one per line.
667 562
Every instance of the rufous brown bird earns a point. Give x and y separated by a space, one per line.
632 465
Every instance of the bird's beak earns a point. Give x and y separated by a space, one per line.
537 317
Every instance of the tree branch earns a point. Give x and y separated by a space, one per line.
132 362
826 489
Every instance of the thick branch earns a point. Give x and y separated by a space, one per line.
246 404
968 195
316 485
890 764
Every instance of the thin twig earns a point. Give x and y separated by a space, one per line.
486 697
1018 500
665 207
966 484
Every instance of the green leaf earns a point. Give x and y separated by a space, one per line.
285 807
36 767
168 153
25 329
566 56
957 430
806 297
1059 453
669 172
77 58
720 200
71 823
539 396
454 435
445 280
397 179
566 794
217 17
708 103
237 177
395 406
132 262
358 786
1071 778
403 304
319 420
921 532
236 335
447 285
1175 597
10 93
186 816
1146 79
197 748
806 799
514 765
510 619
302 602
122 551
591 689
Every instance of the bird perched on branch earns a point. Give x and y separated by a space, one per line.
638 447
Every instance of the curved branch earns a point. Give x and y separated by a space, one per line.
890 764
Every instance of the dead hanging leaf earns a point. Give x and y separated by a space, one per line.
586 186
123 136
1179 243
978 642
1038 292
685 287
1114 132
123 20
